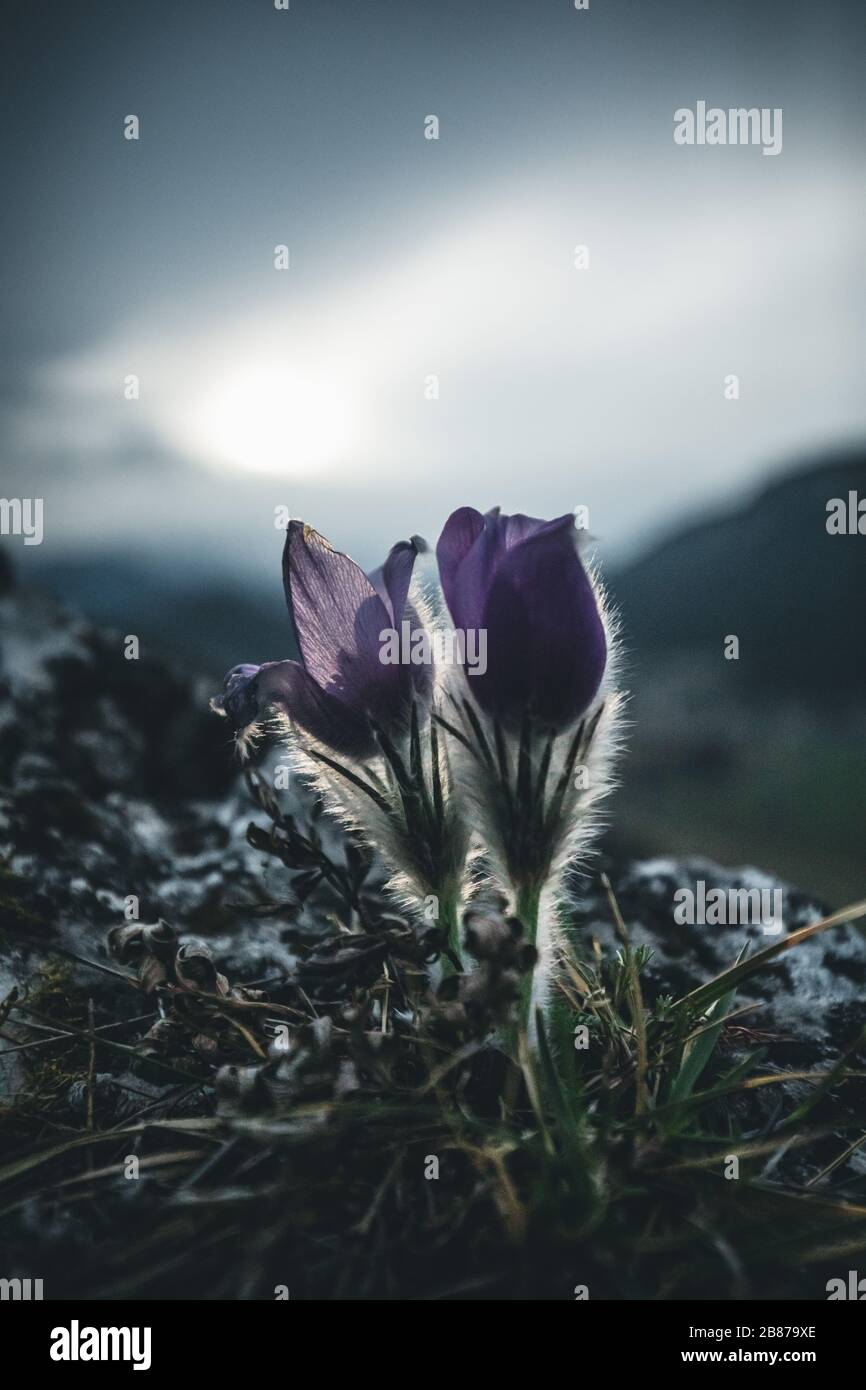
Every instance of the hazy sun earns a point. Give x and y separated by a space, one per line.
268 418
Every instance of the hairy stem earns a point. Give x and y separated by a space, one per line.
526 908
449 922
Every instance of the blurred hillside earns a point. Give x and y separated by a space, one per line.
760 759
771 574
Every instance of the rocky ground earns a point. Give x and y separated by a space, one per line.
117 782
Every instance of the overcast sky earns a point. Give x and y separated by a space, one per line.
412 258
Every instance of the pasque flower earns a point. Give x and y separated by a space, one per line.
528 734
340 688
532 735
358 725
522 582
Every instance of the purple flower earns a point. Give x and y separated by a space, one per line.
339 614
522 581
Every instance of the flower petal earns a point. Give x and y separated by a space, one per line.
463 554
287 686
338 618
546 645
470 551
511 530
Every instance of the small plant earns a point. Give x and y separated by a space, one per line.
463 776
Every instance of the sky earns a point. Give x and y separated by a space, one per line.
411 259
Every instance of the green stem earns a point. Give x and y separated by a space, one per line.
526 907
449 921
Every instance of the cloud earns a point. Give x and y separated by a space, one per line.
551 380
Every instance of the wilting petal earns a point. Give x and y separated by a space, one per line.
286 685
338 618
391 581
252 692
546 646
238 699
